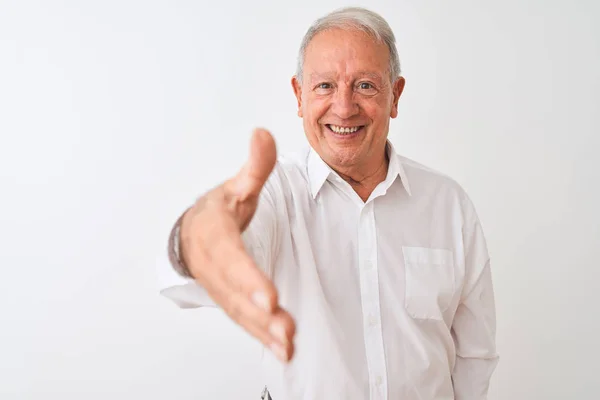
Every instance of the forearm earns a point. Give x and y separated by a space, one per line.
471 377
474 330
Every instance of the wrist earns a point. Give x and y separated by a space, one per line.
175 249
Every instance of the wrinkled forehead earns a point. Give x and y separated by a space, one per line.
346 53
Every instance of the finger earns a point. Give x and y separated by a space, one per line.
275 331
277 336
272 325
245 277
279 325
252 297
244 291
283 351
283 328
224 254
227 250
260 164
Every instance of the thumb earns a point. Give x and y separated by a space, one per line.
260 164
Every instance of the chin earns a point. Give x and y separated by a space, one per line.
343 156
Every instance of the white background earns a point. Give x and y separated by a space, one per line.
114 115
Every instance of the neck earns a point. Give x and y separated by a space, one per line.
365 179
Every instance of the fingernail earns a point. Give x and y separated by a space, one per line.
278 331
279 352
262 301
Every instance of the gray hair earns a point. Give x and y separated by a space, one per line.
354 18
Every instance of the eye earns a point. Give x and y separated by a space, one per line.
323 88
367 88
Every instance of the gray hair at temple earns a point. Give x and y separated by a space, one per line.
354 18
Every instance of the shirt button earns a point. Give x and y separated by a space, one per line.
379 380
372 320
368 265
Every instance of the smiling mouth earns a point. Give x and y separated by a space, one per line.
344 130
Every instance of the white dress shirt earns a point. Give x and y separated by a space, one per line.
392 297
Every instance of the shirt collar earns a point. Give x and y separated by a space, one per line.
319 171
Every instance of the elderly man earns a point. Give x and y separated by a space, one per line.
366 274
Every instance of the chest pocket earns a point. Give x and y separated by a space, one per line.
429 277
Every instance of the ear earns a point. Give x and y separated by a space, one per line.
397 92
298 93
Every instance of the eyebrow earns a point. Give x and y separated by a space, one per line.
362 74
371 75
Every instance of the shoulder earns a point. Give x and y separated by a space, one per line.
425 180
429 184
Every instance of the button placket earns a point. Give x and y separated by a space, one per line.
372 321
369 283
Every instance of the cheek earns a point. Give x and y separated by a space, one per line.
379 111
315 111
375 113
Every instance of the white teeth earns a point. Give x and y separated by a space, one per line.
339 129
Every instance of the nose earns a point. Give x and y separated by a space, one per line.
344 104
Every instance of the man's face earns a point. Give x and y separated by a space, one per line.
346 98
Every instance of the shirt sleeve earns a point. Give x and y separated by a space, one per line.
474 325
260 242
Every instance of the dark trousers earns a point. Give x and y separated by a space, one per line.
265 394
